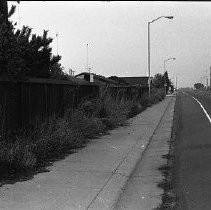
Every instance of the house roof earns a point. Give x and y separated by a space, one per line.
100 78
70 81
143 81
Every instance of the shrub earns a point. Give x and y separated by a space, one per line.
144 101
88 126
17 156
56 136
135 109
156 95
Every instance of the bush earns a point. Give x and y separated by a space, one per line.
156 95
17 156
144 101
56 135
135 109
88 126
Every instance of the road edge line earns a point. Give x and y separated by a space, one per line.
205 111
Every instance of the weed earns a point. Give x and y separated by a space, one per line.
57 135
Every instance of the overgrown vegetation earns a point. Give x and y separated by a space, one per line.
58 135
163 81
24 55
169 197
198 86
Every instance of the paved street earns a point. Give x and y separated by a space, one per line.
193 153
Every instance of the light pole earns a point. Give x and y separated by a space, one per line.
149 79
57 43
164 68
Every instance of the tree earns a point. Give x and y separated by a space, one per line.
161 81
166 79
3 8
158 81
198 86
23 54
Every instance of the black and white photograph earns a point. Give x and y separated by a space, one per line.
105 105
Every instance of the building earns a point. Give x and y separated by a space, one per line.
97 79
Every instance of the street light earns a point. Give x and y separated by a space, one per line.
168 17
164 67
166 61
57 43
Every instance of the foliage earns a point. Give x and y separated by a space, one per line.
198 85
159 81
59 135
23 54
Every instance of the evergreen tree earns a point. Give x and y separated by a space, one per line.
161 81
158 81
23 54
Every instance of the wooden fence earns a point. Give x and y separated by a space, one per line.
22 102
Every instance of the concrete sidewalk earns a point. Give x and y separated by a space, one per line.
141 191
93 177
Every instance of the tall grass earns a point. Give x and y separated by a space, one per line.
58 135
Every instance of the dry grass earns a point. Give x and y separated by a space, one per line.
55 136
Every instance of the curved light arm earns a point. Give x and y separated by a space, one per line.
169 17
169 59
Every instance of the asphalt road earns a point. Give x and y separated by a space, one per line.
193 153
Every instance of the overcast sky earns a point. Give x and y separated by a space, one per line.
117 36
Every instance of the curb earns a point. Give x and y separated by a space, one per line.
109 195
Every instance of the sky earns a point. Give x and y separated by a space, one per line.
117 36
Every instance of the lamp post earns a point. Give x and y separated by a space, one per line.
149 79
57 43
164 68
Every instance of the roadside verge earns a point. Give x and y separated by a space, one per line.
108 197
92 178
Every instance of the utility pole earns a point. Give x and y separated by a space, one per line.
210 78
149 79
87 58
87 64
57 34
